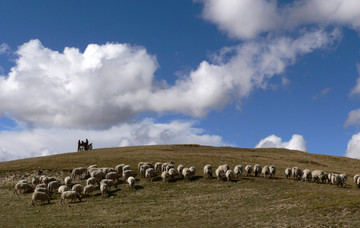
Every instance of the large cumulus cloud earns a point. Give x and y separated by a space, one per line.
297 142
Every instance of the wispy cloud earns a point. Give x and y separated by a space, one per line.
323 93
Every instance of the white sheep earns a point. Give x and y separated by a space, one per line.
22 186
272 171
89 189
35 180
219 173
169 166
143 169
192 172
131 181
70 195
150 173
91 180
248 170
265 170
356 176
180 169
68 181
172 174
39 196
126 167
78 188
238 169
41 189
208 171
307 175
107 170
186 173
163 166
319 175
358 182
119 169
158 167
112 175
97 174
229 175
257 170
296 172
104 189
63 188
80 172
109 183
165 176
336 179
53 185
127 173
224 167
288 173
343 177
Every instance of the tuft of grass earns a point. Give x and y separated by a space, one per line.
203 202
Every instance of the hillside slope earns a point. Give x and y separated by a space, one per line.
202 202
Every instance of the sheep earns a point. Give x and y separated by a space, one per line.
97 174
68 181
22 186
143 169
139 165
112 175
41 186
91 168
219 173
307 175
224 167
89 189
78 172
169 166
119 169
265 170
165 176
150 173
158 167
35 180
272 171
186 173
319 175
356 176
41 189
109 183
172 174
343 177
104 189
78 188
91 180
63 188
288 173
358 182
296 172
257 170
248 170
127 173
107 170
180 169
238 169
39 196
131 181
336 179
53 185
229 175
126 167
192 172
208 171
71 195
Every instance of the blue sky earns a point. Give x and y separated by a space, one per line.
239 73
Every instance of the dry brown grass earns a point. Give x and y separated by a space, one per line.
251 201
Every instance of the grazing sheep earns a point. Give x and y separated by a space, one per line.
70 195
131 181
356 176
238 169
257 170
265 170
336 179
112 175
224 167
180 169
163 166
107 170
248 170
104 189
165 176
192 172
169 166
186 173
22 186
150 173
358 182
288 173
68 181
92 167
158 167
139 165
119 169
126 167
272 171
307 175
41 186
63 188
97 174
343 177
109 183
35 180
127 173
53 185
229 175
78 188
39 196
89 189
208 171
143 169
78 172
172 174
91 180
319 175
296 172
41 189
219 173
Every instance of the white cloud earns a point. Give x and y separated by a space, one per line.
247 19
110 84
297 142
41 141
4 48
353 147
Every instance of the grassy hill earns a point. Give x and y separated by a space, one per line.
250 201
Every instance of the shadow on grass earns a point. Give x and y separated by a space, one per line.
139 187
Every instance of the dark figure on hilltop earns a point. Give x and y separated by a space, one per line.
84 145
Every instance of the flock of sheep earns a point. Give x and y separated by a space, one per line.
106 178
